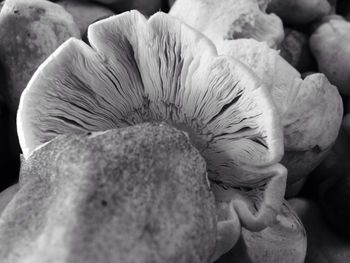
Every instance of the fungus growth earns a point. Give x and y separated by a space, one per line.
161 70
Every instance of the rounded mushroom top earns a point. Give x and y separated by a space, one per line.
97 197
138 71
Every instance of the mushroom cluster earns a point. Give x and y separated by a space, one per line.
174 131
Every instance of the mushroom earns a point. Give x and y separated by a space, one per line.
299 12
162 70
85 13
284 241
329 45
135 194
311 110
323 244
29 32
231 19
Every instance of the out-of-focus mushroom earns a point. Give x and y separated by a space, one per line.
323 244
232 19
311 109
139 193
85 13
295 50
299 12
329 45
29 32
162 70
285 241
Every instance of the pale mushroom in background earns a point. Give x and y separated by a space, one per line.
231 19
37 28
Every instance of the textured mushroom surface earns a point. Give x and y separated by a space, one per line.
311 109
29 32
136 194
232 19
285 241
330 46
162 70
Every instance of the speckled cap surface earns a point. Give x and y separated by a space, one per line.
136 194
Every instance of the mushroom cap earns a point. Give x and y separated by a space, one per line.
231 19
135 194
329 45
29 32
311 109
156 70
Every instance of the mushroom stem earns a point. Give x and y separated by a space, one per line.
270 206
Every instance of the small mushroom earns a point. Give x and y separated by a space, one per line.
323 244
85 13
329 45
232 19
311 110
136 194
285 241
29 32
299 12
139 71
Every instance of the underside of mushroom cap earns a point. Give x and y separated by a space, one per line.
155 70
